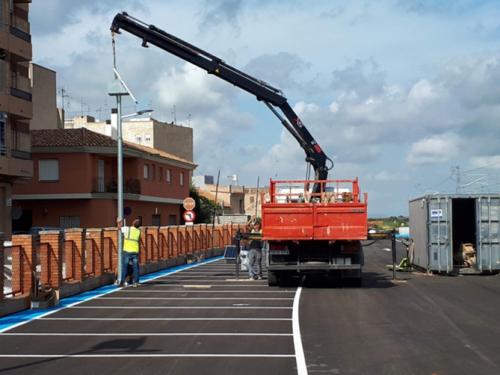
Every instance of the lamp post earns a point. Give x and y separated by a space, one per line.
118 89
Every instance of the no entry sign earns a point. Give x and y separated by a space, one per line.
189 216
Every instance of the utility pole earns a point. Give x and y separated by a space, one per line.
458 179
174 114
257 197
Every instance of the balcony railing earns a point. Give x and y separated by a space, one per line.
20 94
20 28
131 186
20 154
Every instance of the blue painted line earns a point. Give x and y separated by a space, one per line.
25 316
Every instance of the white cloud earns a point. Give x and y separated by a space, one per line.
439 148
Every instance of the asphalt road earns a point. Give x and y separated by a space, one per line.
434 325
204 321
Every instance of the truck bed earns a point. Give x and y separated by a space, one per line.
337 219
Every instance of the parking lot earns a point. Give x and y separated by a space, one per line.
202 319
199 319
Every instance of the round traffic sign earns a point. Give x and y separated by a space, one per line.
189 216
189 204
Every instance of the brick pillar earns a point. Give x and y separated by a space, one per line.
152 241
110 249
95 239
144 256
74 245
173 241
23 257
1 265
163 238
51 258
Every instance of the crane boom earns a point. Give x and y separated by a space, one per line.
271 96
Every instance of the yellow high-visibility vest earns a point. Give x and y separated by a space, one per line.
131 242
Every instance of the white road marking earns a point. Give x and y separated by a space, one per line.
386 249
89 299
174 319
206 291
181 307
166 355
141 334
297 339
197 298
223 279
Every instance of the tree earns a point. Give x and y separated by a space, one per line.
204 208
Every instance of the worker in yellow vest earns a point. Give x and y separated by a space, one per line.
131 246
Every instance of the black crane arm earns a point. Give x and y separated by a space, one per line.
263 91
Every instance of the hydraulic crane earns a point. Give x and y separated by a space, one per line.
272 97
314 230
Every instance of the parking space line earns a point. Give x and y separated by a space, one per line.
182 307
206 291
174 319
297 338
198 298
156 355
98 334
18 319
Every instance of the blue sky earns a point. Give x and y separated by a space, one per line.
397 92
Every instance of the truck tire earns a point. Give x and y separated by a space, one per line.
272 278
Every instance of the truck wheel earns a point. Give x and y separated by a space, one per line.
272 278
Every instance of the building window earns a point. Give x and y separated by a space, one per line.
181 178
156 220
153 172
172 219
69 221
138 139
168 175
252 200
147 138
48 170
146 171
160 173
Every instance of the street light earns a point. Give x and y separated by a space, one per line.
118 89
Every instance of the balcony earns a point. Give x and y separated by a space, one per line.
131 186
15 167
21 87
20 154
26 36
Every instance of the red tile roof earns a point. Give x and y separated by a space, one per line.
86 138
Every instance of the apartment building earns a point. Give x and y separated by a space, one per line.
74 182
174 139
16 109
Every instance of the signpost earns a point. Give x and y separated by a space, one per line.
189 217
189 204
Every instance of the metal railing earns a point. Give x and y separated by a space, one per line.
131 186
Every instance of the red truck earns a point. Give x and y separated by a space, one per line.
314 232
316 226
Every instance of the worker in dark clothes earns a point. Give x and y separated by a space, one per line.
255 255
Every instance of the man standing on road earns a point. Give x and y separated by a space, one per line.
255 255
131 246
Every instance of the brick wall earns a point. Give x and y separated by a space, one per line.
90 253
23 258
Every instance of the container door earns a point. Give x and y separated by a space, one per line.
488 233
440 249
